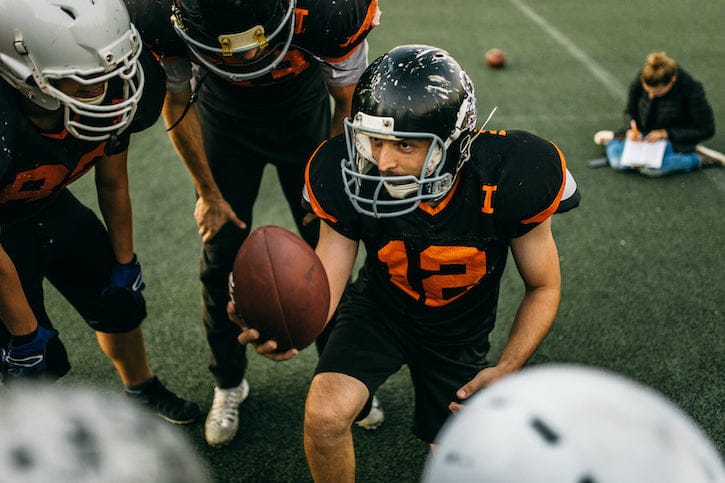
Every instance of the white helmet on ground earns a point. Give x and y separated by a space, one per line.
572 424
66 434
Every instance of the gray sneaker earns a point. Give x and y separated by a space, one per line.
375 417
223 418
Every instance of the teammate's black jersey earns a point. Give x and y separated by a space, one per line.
442 265
36 165
326 29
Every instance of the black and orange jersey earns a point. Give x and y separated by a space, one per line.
329 30
442 265
35 165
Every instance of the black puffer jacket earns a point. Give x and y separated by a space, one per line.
684 112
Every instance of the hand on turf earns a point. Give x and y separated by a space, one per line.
479 381
267 348
211 213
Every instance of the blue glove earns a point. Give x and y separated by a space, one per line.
28 359
126 277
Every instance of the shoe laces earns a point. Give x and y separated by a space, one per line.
226 402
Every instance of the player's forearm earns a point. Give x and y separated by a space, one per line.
342 104
532 323
189 145
337 255
15 312
114 202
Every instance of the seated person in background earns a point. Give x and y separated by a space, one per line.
665 102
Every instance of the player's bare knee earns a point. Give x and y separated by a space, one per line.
331 405
324 420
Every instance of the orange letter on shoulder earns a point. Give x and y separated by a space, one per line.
488 198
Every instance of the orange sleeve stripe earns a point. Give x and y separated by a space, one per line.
551 209
316 207
364 28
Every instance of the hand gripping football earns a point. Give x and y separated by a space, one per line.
280 287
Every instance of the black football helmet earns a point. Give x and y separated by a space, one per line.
220 32
413 91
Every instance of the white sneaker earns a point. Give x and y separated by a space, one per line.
375 417
602 138
223 418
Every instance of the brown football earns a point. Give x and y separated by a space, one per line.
495 58
280 288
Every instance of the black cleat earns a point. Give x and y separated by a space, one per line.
154 396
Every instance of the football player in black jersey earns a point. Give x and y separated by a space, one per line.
76 84
438 205
266 70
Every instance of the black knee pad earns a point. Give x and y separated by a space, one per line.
124 312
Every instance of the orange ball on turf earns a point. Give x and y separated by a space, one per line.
495 58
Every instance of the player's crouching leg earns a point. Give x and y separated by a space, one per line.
121 340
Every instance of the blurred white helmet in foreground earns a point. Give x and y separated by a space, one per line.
75 434
572 424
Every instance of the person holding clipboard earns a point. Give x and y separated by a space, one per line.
666 118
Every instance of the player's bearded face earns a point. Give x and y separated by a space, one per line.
399 157
398 160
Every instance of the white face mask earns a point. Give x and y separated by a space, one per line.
33 73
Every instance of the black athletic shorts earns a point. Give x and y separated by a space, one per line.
67 244
370 346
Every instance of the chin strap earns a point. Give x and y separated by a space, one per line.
192 99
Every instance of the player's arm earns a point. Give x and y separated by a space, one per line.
338 254
15 312
537 261
212 211
341 77
342 105
24 354
114 201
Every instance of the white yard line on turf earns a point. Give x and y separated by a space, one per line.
612 85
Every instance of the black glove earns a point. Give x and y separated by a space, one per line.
27 360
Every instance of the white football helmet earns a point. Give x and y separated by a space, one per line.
89 42
68 434
563 423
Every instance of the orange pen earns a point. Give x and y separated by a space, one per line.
633 125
